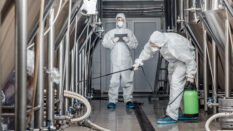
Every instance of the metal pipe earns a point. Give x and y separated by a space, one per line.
80 74
13 107
215 75
38 79
227 60
61 88
76 58
228 7
67 62
180 17
36 27
215 4
182 9
198 69
13 114
63 31
214 63
34 109
186 15
205 70
172 12
62 117
50 91
56 101
89 66
8 115
175 15
86 40
72 75
85 62
75 54
195 12
21 59
206 4
205 61
39 115
84 71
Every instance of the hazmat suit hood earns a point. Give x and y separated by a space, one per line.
122 15
158 38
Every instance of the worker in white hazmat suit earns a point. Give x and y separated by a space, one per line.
180 54
120 41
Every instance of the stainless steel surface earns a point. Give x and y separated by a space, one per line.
227 60
80 74
225 105
214 63
67 58
61 87
175 13
62 117
215 4
81 23
216 25
39 115
76 57
181 11
21 63
83 72
215 74
228 6
72 74
50 92
205 60
51 59
198 69
77 71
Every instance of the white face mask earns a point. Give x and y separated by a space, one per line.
154 49
120 24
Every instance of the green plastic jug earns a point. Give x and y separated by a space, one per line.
191 106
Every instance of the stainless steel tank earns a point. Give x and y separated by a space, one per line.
226 105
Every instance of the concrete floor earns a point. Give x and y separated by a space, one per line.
125 120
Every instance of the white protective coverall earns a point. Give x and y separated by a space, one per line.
180 54
120 59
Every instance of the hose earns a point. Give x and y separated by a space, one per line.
219 115
131 68
81 99
88 112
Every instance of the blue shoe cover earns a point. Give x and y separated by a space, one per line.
130 105
111 106
183 118
166 120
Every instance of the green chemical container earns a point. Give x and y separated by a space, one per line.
191 106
